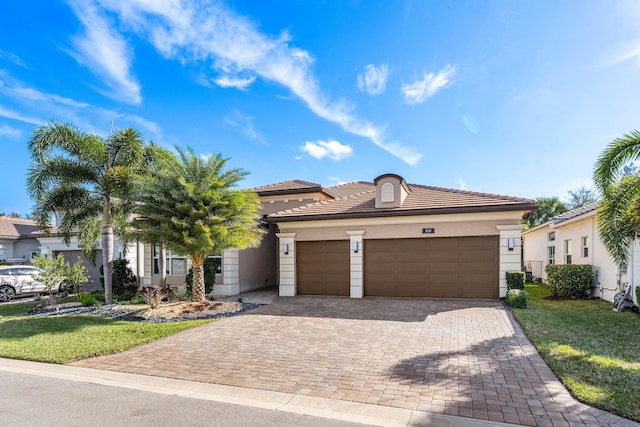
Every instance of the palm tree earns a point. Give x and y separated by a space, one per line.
191 204
87 179
619 210
548 207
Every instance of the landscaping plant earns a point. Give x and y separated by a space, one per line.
515 279
153 296
569 280
517 298
209 276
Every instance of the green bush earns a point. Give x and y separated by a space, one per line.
122 278
569 280
86 299
517 298
515 279
137 299
209 276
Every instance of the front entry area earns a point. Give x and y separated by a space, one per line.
448 267
323 268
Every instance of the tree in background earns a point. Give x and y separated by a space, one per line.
581 196
617 179
87 179
56 270
193 203
548 207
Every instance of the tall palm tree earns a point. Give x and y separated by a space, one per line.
191 203
618 212
87 179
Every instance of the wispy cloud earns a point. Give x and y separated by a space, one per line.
235 82
374 79
461 183
9 132
420 90
29 105
12 58
245 125
105 53
330 148
211 33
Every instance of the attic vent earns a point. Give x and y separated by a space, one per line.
387 192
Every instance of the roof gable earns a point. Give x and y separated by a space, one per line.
11 227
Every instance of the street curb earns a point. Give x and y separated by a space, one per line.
264 399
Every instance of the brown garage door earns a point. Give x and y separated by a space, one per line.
323 268
452 267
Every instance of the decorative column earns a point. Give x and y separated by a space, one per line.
356 274
287 256
510 250
230 274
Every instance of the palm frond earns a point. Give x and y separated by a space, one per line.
608 168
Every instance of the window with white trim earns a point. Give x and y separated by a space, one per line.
176 263
567 251
585 246
551 254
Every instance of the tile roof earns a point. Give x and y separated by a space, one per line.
575 212
349 188
421 200
11 227
291 186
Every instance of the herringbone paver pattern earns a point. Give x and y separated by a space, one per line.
457 357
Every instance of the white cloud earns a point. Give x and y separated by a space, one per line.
374 79
9 132
330 148
461 183
105 53
13 115
13 58
245 124
235 82
203 32
418 91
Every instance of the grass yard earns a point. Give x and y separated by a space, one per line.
593 350
62 339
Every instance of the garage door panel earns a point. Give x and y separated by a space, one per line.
322 267
454 267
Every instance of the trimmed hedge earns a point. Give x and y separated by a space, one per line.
515 279
517 298
569 280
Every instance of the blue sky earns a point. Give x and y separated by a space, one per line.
507 97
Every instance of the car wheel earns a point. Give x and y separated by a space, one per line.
6 293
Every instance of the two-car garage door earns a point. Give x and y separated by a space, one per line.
452 267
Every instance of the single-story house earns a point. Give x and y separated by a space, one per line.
17 242
573 238
380 238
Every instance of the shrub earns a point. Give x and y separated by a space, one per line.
86 299
209 276
125 296
515 279
137 299
122 280
569 280
153 296
517 298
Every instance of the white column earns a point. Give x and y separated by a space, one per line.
140 261
510 260
287 255
356 274
230 274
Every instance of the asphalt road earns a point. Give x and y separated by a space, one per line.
30 400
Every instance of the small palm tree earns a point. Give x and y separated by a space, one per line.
191 204
87 179
619 209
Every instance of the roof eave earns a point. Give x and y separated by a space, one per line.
413 212
293 191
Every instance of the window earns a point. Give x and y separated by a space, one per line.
217 260
387 192
585 246
551 254
176 263
567 251
551 236
33 254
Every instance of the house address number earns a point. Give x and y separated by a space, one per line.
428 230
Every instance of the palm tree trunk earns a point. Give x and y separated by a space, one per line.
163 267
198 282
107 251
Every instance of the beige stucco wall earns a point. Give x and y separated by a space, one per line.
257 266
536 242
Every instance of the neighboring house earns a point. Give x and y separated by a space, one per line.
17 243
573 238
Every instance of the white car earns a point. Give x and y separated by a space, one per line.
21 280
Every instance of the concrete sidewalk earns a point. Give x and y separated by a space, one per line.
287 402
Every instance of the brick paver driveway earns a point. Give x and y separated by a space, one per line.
457 357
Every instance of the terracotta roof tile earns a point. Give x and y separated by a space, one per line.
575 212
294 185
349 188
17 227
421 200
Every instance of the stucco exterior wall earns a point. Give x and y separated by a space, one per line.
6 249
22 248
257 266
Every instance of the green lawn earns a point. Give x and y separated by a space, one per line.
593 350
62 339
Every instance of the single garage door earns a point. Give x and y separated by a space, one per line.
323 267
451 267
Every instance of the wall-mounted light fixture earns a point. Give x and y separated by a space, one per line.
354 246
510 243
285 248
